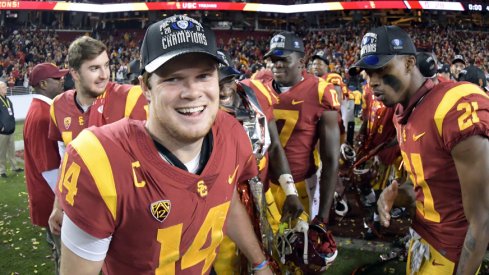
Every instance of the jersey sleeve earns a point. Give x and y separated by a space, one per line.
45 150
136 104
85 189
328 96
53 133
463 112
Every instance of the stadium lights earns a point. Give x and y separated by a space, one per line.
231 6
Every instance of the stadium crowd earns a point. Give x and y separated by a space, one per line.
22 48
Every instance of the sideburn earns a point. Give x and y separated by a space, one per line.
392 81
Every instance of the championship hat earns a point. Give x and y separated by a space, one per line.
320 55
284 44
226 69
174 36
380 45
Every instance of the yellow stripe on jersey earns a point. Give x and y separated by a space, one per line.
321 88
264 91
67 137
451 97
95 158
53 117
132 98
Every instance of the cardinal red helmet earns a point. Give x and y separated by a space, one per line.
312 249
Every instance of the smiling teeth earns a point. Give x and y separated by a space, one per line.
191 110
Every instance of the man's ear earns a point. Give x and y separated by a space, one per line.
410 63
144 88
43 84
74 74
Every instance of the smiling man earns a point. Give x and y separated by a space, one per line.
157 197
443 132
95 101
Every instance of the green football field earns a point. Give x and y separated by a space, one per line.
24 250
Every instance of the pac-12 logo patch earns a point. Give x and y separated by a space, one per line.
160 209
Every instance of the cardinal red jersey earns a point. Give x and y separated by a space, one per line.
436 120
118 101
40 155
380 129
266 98
297 114
162 219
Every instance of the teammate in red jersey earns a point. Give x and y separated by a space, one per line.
442 131
41 155
306 113
156 197
253 109
95 101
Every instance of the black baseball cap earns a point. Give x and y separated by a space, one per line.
226 69
380 45
458 58
474 75
320 55
284 44
174 36
445 68
426 63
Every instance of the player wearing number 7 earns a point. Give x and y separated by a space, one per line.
443 132
156 197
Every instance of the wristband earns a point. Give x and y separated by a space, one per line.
287 183
260 266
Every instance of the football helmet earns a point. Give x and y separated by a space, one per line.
308 247
340 205
347 158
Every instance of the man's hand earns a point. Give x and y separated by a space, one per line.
386 201
292 208
55 220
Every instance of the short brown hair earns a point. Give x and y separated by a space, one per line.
84 48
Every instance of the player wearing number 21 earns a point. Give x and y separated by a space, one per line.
156 197
443 134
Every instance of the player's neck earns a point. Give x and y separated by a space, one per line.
185 151
83 99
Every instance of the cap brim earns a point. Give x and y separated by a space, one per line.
370 62
458 60
319 57
159 61
227 72
61 73
278 52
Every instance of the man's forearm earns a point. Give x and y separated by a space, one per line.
473 250
327 185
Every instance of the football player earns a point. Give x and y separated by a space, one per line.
95 101
306 113
157 197
442 132
253 109
40 153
